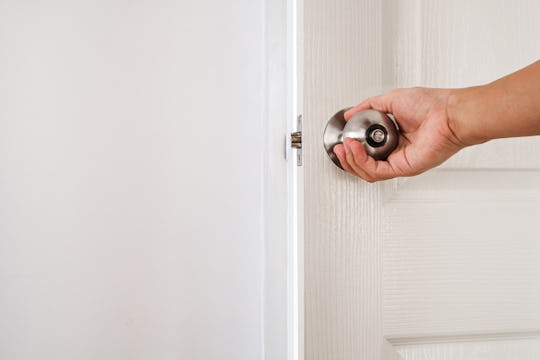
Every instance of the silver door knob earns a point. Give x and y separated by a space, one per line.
377 131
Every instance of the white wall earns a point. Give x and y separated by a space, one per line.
130 179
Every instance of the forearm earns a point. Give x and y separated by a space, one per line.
507 107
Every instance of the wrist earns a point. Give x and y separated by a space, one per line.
465 114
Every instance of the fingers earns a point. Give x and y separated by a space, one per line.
347 162
354 159
339 150
364 105
381 103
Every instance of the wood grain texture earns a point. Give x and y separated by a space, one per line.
522 349
452 252
461 267
460 248
342 65
463 43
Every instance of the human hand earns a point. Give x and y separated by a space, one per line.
426 136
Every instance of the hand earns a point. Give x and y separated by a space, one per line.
426 137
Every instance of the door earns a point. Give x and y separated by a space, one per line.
445 265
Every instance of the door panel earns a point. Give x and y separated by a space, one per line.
459 43
342 64
443 265
507 348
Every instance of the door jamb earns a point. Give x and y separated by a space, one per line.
282 227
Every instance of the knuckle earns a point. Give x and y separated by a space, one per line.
370 179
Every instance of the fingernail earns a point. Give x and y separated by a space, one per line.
346 145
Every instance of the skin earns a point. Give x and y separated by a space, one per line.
437 123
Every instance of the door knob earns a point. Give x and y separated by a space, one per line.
377 131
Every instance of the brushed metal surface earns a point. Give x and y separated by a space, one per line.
374 129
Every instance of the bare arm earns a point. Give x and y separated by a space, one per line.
437 123
507 107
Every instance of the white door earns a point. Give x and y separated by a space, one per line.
445 265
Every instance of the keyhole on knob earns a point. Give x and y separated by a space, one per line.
376 135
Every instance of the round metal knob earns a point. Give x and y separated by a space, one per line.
377 131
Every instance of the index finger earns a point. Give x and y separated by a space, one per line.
380 102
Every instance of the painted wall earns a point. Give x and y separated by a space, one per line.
130 179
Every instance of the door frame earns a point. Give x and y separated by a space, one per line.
281 223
